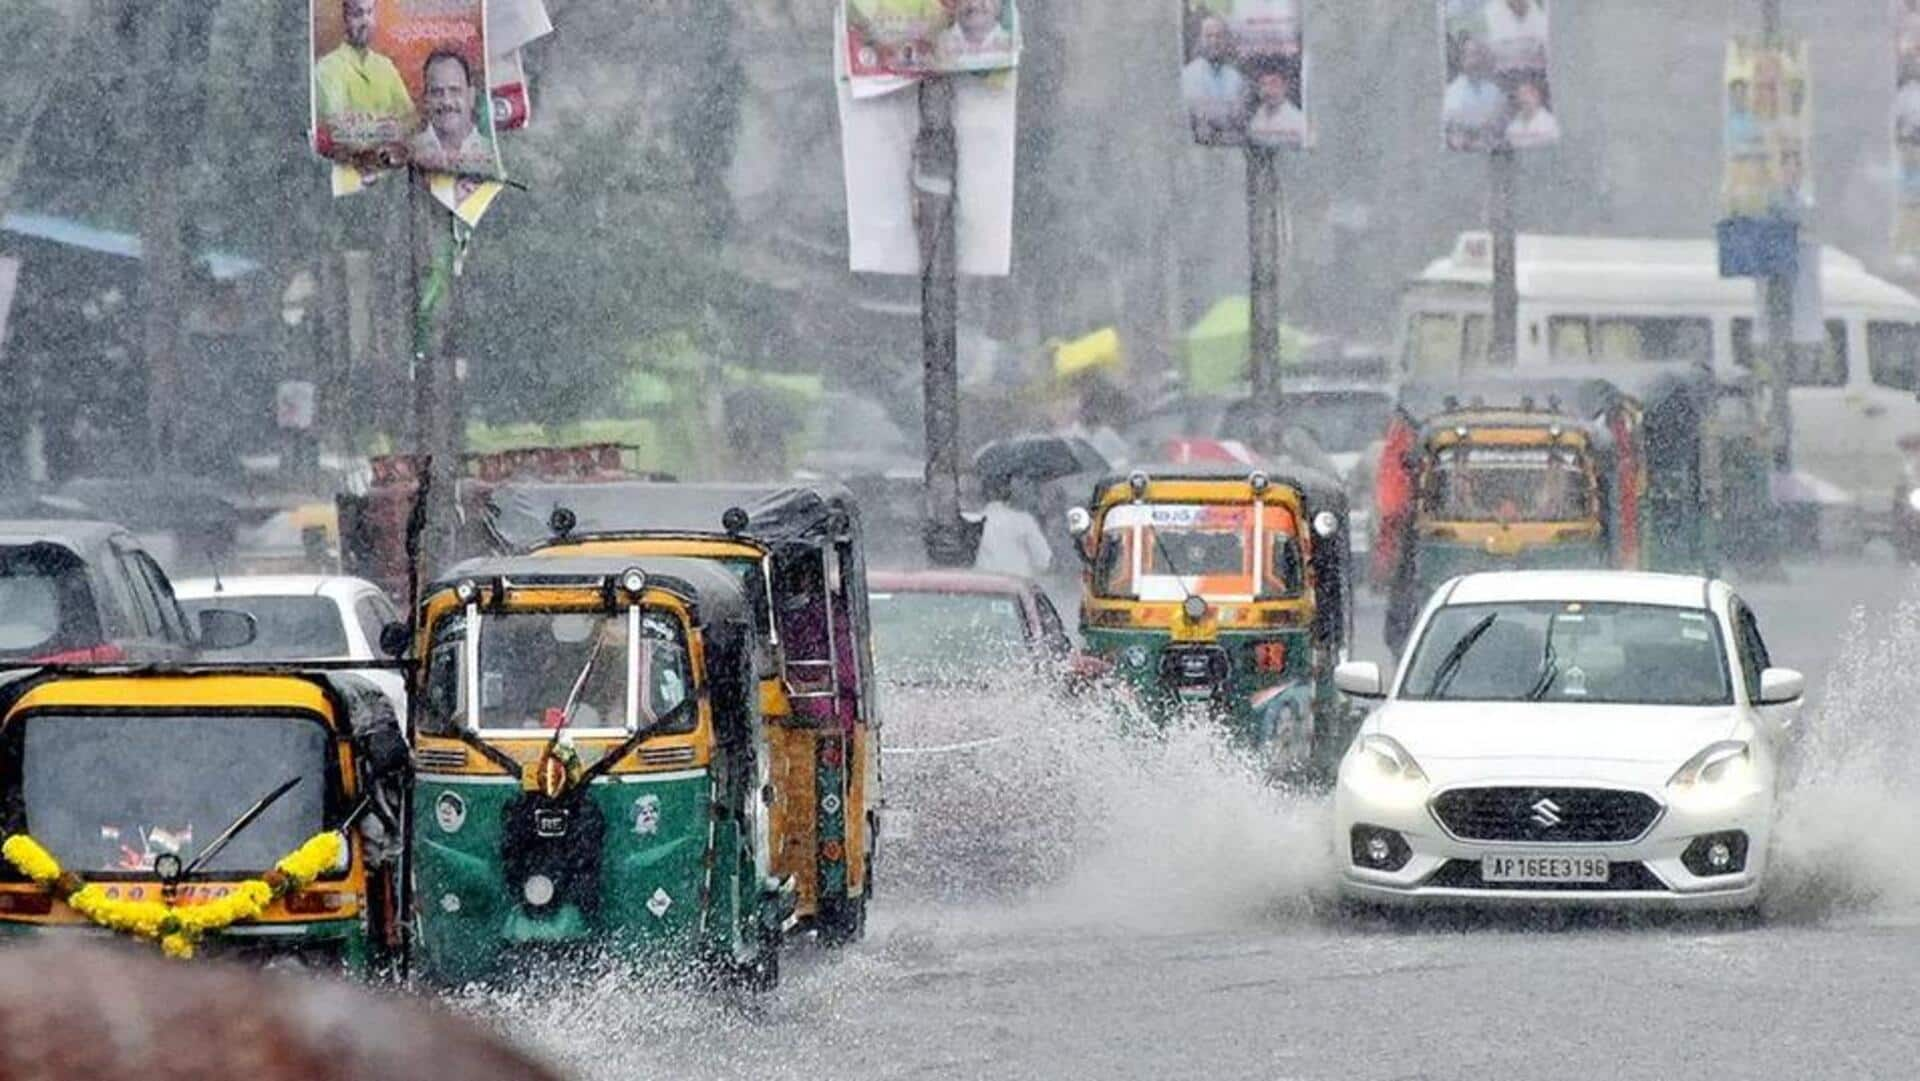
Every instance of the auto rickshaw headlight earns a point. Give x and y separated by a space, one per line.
634 581
1913 500
1137 483
1325 524
1078 521
1258 482
468 591
1194 608
538 890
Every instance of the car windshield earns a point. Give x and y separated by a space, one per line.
1338 422
1481 483
111 792
1222 552
542 670
941 637
1571 651
296 628
46 605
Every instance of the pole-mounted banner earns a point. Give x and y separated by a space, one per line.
1244 74
1499 93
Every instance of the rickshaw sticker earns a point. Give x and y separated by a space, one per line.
1137 656
646 816
449 903
659 903
830 805
450 811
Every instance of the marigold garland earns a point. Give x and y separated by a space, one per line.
177 929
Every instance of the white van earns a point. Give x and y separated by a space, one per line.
1600 300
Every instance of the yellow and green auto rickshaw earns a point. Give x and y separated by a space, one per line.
798 553
236 812
591 773
1223 590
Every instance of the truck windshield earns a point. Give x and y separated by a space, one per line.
542 670
1222 552
1481 483
111 792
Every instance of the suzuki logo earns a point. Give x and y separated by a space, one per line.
1546 813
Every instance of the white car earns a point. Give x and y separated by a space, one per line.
304 617
1586 737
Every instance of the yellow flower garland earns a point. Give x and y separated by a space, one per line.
177 929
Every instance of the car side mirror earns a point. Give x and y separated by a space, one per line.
1360 679
395 637
224 628
1779 686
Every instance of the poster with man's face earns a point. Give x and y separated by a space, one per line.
1498 93
1243 73
913 38
402 82
1767 129
1906 127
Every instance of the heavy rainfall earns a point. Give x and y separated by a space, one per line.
960 538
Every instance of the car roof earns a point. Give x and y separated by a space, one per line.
334 586
78 534
1622 587
946 581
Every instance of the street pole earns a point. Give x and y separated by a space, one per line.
1779 310
935 159
1503 346
1263 258
436 430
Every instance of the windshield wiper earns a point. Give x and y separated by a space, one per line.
246 819
579 684
1178 578
1549 665
1450 664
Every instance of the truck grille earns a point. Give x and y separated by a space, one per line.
1546 815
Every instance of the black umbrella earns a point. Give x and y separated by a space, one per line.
1039 457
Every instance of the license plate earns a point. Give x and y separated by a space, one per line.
1540 867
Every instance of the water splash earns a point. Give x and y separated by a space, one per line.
1847 828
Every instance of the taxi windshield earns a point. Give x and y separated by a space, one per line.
546 670
1485 483
1222 552
112 792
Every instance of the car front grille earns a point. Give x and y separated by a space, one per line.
1621 878
1546 815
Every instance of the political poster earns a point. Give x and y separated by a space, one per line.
402 82
910 39
512 25
1906 128
1499 91
878 125
1767 129
1244 76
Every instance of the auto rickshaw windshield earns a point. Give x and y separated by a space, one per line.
1480 483
1221 552
112 792
545 670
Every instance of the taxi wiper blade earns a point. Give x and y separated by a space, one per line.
1549 665
246 819
1450 664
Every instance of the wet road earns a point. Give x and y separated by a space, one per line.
1176 928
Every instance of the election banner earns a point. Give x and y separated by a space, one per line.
1244 79
1499 91
1767 129
878 125
511 26
909 39
1906 128
402 82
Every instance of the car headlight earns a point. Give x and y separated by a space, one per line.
1715 778
1381 771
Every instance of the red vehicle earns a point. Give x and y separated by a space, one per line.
958 626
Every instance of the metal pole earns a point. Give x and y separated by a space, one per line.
435 429
935 158
1779 309
1503 346
1263 258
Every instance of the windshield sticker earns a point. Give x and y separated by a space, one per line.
1694 617
1694 634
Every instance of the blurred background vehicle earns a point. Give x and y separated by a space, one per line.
305 617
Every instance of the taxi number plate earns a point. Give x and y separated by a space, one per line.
1538 867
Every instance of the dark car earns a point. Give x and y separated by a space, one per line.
78 592
959 626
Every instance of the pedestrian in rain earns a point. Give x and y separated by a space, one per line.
1011 541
